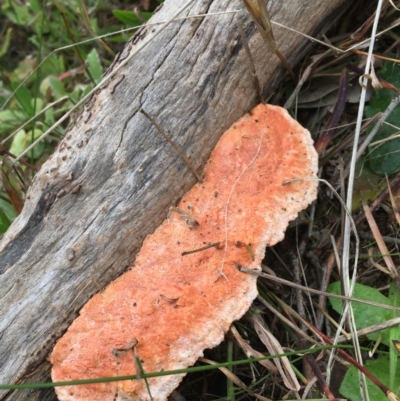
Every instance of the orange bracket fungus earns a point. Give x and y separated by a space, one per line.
184 289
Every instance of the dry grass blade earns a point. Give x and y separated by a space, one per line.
393 202
372 329
347 280
318 292
259 13
372 255
273 346
235 380
251 352
379 240
252 65
392 397
332 321
124 396
396 345
288 311
86 20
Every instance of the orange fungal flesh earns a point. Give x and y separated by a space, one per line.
175 306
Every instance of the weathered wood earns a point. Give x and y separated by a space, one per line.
113 178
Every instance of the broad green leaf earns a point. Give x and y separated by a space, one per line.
4 222
394 334
94 23
23 139
129 17
11 116
7 209
18 144
24 98
24 69
15 13
95 67
53 65
49 117
384 158
39 104
5 43
36 6
40 147
378 367
365 315
56 86
78 92
146 15
10 120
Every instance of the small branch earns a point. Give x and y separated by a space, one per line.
169 140
253 68
215 244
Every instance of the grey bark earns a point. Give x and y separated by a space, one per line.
113 177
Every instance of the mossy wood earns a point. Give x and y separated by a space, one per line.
112 179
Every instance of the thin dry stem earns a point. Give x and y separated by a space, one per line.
173 144
379 240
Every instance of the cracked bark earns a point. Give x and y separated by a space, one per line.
113 177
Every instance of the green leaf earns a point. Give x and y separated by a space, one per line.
4 222
36 6
95 68
18 144
5 43
23 71
378 367
15 13
11 116
78 92
24 98
146 15
7 209
10 120
57 87
394 333
54 65
39 148
49 117
365 315
384 158
129 17
23 139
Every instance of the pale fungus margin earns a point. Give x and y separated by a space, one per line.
175 303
